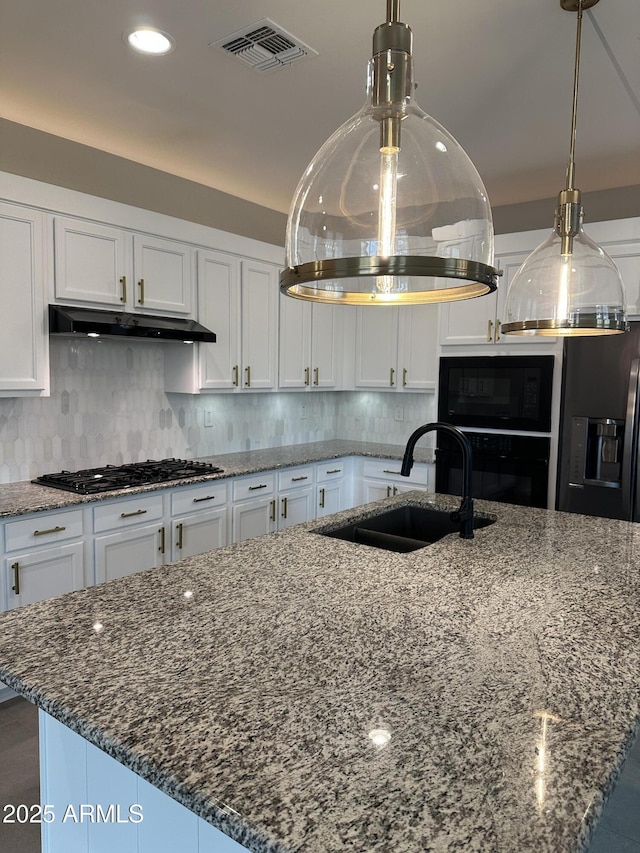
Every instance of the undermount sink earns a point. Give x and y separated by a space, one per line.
403 529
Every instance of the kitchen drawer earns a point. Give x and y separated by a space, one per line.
332 469
293 478
389 469
125 513
254 487
43 528
193 498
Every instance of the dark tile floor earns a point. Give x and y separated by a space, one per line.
618 831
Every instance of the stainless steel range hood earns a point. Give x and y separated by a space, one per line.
67 320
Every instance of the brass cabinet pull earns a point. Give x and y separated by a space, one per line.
123 282
50 530
16 578
490 331
284 507
162 538
316 375
395 490
297 479
404 377
131 514
388 491
334 471
307 371
387 471
247 370
392 374
141 286
322 498
235 375
208 498
497 337
261 486
179 528
272 504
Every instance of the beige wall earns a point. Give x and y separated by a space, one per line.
54 160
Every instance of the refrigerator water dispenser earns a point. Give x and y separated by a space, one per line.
596 452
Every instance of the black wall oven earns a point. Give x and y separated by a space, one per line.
495 400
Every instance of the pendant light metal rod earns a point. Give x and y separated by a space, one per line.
571 168
393 11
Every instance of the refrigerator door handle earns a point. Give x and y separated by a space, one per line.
630 443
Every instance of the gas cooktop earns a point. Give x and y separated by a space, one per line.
93 480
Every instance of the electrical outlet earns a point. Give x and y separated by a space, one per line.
399 415
208 417
303 411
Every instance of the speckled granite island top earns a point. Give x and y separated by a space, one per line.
501 674
25 497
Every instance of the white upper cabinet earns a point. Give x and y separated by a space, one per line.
238 300
23 343
310 344
397 348
107 266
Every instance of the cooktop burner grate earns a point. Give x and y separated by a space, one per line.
94 480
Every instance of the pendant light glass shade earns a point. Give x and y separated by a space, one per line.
568 285
391 210
566 293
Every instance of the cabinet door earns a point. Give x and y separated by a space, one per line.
254 518
418 347
330 498
90 263
259 325
295 343
199 533
376 490
626 256
324 346
163 275
219 310
129 551
376 347
469 321
295 507
37 575
510 264
23 343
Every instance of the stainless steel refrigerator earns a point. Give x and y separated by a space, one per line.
598 453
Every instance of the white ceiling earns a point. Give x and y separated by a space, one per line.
496 73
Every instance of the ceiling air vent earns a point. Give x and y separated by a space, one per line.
265 46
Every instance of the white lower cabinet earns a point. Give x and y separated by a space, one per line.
333 492
381 478
254 506
127 552
36 575
199 519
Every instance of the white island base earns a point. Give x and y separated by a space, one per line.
96 805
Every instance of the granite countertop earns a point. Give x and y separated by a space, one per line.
24 497
503 671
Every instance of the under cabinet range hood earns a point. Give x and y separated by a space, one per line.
93 322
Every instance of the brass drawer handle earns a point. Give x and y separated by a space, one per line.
162 540
272 504
404 377
235 375
387 471
247 370
307 370
322 498
497 337
392 375
131 514
316 375
261 486
388 491
490 331
208 498
297 479
123 282
334 471
16 578
284 507
50 530
141 286
179 528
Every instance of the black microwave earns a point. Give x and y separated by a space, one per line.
496 392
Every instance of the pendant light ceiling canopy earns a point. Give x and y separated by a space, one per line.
391 210
568 285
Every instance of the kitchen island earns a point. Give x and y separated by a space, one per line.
303 693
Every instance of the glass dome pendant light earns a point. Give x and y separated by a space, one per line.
568 285
391 210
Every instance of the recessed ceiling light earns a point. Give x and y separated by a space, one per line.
150 40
